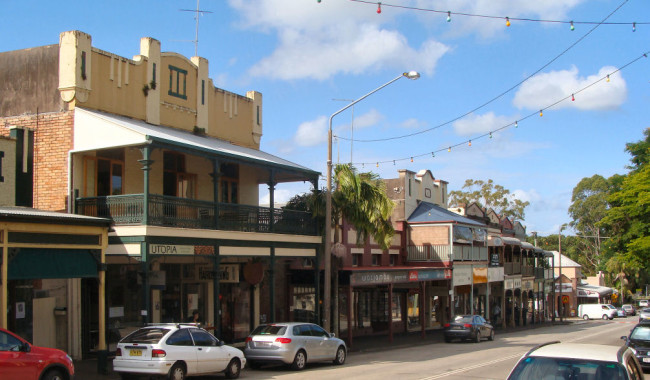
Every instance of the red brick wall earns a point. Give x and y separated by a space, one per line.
53 134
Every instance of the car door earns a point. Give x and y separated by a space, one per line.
180 346
16 364
210 357
303 335
481 326
325 347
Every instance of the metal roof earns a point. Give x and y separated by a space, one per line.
430 213
100 130
32 214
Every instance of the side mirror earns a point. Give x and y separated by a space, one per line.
25 347
332 335
624 338
220 343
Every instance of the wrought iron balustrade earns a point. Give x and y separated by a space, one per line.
192 213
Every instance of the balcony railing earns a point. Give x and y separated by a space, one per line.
470 253
190 213
428 253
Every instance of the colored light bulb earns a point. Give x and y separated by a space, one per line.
572 27
469 143
516 124
411 159
490 134
507 21
634 26
448 16
378 8
573 98
449 149
608 77
377 164
541 113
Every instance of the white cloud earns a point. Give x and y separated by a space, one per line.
543 90
311 133
317 41
531 195
413 123
480 124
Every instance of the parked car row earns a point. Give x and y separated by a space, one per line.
183 350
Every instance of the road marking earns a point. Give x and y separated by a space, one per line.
464 369
518 355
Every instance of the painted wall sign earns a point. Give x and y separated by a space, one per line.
480 275
169 249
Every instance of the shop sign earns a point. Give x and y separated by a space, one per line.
587 293
566 288
494 259
462 275
170 249
495 274
396 277
480 275
527 285
228 273
157 279
512 283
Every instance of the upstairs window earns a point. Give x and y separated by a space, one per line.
177 82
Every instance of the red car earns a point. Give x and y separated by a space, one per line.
22 360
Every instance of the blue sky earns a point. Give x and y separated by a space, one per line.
303 54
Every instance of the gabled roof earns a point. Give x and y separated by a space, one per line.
566 262
28 214
430 213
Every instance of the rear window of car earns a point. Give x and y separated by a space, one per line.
147 335
535 368
270 330
463 319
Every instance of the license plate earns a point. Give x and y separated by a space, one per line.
646 360
135 353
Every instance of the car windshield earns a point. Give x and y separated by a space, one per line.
535 368
611 307
463 319
269 330
641 333
147 335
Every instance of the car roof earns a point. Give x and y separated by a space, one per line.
587 351
288 323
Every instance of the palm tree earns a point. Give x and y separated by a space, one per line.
360 199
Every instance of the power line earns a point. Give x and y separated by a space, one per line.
499 95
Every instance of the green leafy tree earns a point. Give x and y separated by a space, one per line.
589 206
490 196
628 218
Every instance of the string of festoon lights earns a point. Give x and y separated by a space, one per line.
571 97
503 93
508 20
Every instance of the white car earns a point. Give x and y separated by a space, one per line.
176 351
557 360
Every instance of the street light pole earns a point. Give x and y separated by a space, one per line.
327 288
559 237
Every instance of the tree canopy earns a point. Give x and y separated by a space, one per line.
491 196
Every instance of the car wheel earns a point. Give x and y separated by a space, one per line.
177 372
340 356
585 317
233 369
299 361
477 339
491 337
54 374
605 317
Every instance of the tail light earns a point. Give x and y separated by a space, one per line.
156 353
118 352
283 340
467 325
447 325
248 339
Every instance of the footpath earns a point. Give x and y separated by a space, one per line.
88 369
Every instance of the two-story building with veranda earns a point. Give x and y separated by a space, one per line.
175 163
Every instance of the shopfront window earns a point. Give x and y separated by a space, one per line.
123 300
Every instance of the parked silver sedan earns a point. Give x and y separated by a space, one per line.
293 343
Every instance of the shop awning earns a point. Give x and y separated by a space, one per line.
41 263
593 291
495 241
511 241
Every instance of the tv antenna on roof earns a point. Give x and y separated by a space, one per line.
197 12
